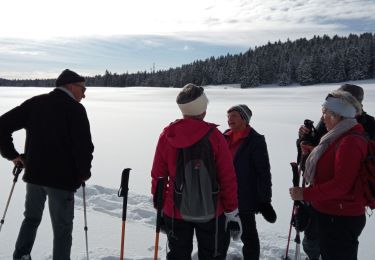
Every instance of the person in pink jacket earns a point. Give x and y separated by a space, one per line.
332 168
212 236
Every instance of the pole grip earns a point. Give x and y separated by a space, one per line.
16 171
296 176
123 191
159 201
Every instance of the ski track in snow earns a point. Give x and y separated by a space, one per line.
140 210
106 200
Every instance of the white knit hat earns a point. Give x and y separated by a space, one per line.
195 107
342 103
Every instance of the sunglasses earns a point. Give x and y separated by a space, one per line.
81 86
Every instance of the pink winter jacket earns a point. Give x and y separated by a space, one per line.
337 189
184 133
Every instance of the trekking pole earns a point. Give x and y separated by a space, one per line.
16 172
123 192
85 218
296 178
297 169
289 234
159 207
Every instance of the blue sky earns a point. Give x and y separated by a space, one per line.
40 38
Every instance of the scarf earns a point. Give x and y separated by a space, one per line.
325 141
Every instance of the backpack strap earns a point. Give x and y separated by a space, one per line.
364 137
208 133
370 152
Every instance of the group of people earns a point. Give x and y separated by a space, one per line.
243 174
58 154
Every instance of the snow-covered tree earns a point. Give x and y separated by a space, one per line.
251 77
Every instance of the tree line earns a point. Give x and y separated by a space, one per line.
322 59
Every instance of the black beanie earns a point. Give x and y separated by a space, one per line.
67 77
355 90
243 110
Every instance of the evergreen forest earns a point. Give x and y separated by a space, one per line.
321 59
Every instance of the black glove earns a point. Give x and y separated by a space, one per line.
301 219
267 212
163 226
154 201
165 229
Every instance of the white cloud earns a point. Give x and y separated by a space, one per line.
19 50
213 19
120 35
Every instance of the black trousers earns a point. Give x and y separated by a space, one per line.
180 239
250 238
310 240
338 236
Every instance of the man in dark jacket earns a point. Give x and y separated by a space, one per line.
250 158
57 159
310 241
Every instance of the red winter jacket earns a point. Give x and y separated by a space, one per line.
184 133
337 189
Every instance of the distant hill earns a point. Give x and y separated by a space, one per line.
321 59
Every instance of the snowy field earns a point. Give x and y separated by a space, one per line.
125 125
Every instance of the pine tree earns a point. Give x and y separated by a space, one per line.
251 77
336 68
356 67
305 71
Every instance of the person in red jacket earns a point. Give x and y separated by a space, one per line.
212 237
332 168
308 139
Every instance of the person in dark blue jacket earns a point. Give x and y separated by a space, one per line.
57 159
251 161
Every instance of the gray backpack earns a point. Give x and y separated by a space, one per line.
195 184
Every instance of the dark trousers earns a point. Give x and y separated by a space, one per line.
61 207
310 240
338 236
180 239
249 237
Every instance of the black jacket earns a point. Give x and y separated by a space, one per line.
58 148
253 171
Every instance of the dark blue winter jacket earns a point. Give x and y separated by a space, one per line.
253 173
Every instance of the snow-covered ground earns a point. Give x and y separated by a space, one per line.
125 125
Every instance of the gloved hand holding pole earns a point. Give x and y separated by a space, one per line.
233 224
